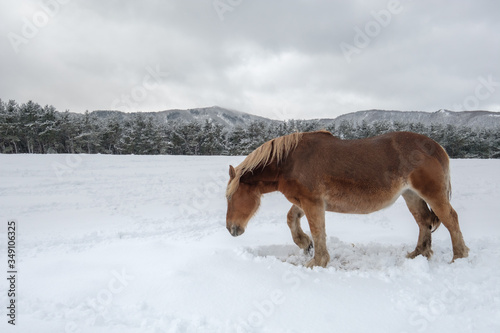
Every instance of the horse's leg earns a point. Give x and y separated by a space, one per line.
434 189
425 221
449 218
315 213
299 237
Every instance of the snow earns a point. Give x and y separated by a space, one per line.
138 244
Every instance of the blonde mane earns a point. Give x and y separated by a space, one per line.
275 149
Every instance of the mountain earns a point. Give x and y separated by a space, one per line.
227 118
473 119
231 118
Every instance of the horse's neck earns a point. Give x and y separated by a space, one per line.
266 178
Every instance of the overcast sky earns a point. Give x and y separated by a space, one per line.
280 59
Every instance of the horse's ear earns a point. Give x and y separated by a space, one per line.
232 172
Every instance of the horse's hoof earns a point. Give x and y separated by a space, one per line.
412 255
462 254
426 253
322 262
311 263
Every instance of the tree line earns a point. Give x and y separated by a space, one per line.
31 128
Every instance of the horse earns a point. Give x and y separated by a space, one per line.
319 172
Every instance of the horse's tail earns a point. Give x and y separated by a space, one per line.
435 222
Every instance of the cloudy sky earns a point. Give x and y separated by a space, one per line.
280 59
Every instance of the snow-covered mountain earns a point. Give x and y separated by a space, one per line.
227 118
231 118
473 119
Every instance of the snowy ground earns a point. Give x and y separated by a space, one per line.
138 244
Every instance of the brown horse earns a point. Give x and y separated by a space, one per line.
318 172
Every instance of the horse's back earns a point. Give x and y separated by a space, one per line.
390 148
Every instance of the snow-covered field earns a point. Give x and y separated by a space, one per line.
138 244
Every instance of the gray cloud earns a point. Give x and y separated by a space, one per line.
279 59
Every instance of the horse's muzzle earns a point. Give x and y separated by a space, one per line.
235 230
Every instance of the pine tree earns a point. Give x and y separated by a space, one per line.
29 113
49 129
67 132
10 127
235 141
88 138
345 130
212 139
255 135
111 134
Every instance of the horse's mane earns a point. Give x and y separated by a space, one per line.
275 149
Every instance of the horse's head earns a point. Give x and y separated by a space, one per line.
242 203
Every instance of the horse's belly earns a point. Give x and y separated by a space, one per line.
360 204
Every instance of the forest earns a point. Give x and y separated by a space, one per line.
33 129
